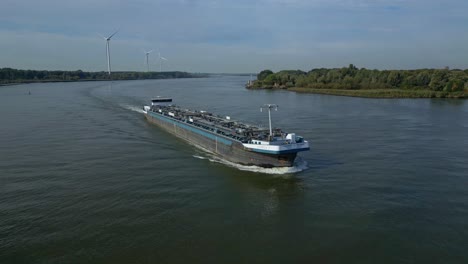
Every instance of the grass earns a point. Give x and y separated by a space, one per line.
383 93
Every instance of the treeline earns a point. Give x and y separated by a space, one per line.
8 75
352 78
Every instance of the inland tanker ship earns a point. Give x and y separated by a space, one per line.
232 140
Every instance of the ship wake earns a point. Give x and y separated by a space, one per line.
299 165
133 108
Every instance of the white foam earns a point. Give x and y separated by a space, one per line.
199 157
299 165
134 108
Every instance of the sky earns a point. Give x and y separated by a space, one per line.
237 36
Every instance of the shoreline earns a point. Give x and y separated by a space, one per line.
374 93
89 80
53 81
9 76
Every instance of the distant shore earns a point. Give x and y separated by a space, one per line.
10 76
50 81
351 81
87 80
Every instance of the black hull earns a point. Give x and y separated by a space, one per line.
225 147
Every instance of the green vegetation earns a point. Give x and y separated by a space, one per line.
8 76
351 81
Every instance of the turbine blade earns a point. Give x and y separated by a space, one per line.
149 51
162 58
114 33
101 36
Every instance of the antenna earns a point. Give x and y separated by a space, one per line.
269 107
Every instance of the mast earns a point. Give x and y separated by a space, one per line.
269 107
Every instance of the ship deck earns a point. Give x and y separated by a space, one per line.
224 126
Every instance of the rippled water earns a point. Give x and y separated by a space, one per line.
84 178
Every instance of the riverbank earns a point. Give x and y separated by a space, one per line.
50 81
10 76
351 81
373 93
384 93
90 80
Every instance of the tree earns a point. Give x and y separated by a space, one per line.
270 79
263 74
423 78
394 79
438 81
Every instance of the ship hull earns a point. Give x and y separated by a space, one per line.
225 147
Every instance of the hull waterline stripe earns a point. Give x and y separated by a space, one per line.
279 152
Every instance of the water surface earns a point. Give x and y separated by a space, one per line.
84 178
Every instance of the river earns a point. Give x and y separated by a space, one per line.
84 178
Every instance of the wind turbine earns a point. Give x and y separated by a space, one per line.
147 63
108 49
160 61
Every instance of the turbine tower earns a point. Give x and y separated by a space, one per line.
160 61
147 63
108 50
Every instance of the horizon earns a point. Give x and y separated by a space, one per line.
240 73
245 73
234 38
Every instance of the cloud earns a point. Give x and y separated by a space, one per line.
234 36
